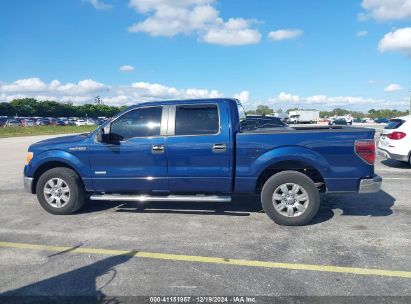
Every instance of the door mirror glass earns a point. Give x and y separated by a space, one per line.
103 134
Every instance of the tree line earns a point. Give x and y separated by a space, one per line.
29 107
372 113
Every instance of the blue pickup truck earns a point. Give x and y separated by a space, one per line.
201 150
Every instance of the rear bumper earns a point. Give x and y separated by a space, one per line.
28 181
370 185
389 155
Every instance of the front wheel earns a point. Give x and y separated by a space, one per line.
60 191
290 198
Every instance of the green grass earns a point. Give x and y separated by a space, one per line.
43 130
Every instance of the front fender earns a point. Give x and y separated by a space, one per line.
247 175
82 168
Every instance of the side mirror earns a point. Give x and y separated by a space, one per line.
103 134
99 134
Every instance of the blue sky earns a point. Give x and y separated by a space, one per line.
285 53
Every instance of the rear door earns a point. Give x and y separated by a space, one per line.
198 148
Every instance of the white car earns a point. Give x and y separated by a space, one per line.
90 122
395 140
80 122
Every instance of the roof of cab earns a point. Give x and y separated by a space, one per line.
179 101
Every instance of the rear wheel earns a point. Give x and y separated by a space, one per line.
60 191
290 198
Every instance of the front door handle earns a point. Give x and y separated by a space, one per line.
157 149
219 148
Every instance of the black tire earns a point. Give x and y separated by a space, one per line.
299 179
77 197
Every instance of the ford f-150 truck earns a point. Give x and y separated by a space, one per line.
201 150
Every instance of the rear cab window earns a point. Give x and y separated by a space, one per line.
197 120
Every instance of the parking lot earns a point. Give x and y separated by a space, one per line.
357 245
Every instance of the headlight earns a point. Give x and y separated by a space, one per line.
29 157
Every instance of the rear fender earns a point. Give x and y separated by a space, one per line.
291 153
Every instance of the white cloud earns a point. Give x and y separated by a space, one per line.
232 32
324 102
85 90
386 10
284 34
397 41
243 96
126 68
393 88
34 85
171 18
285 97
98 4
362 33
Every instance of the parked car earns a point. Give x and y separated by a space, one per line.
359 120
90 122
43 122
196 150
254 121
80 122
27 123
70 122
12 123
60 122
338 122
382 120
395 140
100 121
3 121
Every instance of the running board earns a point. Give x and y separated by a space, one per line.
168 198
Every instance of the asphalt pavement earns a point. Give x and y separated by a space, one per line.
358 245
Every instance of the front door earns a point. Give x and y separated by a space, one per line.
134 159
198 149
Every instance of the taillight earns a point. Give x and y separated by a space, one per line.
365 149
396 135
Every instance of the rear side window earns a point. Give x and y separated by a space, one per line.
197 120
394 124
144 122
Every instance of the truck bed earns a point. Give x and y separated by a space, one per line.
327 149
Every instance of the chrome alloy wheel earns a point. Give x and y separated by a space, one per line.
56 192
290 200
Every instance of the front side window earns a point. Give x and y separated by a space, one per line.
197 120
144 122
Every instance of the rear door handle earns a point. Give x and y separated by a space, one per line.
157 149
219 148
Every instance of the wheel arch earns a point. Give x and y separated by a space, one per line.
299 159
47 166
291 165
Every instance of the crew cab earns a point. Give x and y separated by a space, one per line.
198 151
